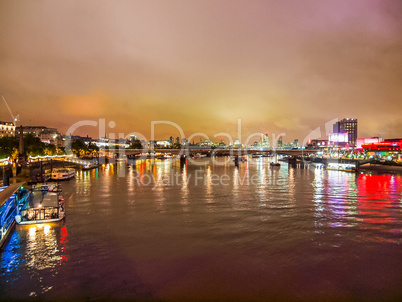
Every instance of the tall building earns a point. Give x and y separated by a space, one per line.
265 140
280 142
349 126
7 129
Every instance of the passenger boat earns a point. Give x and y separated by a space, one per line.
63 173
48 186
42 206
341 167
9 198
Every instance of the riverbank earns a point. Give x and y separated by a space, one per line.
381 168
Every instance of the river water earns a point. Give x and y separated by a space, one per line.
212 231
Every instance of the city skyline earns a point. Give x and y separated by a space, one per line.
280 67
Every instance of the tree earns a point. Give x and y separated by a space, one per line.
8 146
33 145
50 149
93 148
60 151
136 145
78 147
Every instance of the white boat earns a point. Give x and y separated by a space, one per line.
42 207
90 166
199 155
62 173
341 167
47 186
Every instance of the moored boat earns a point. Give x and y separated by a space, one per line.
63 173
47 186
275 164
199 155
341 167
42 206
9 198
90 166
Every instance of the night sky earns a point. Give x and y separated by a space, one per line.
280 66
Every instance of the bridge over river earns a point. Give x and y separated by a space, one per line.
293 156
209 151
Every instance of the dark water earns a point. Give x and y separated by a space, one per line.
213 232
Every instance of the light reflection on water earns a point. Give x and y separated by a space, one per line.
34 254
369 204
231 233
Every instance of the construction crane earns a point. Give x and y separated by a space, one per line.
15 118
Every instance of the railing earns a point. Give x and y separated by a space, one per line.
66 158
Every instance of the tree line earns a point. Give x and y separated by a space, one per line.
33 146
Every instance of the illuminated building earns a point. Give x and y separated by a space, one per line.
280 142
7 129
162 144
361 141
349 126
386 145
338 139
237 144
319 143
389 149
265 140
45 134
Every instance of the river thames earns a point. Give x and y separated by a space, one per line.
157 231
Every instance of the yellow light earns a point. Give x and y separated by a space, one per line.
32 232
46 229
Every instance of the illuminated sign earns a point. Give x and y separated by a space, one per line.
339 137
361 141
383 146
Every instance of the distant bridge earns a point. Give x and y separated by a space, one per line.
192 151
294 154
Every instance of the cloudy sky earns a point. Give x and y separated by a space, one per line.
280 66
